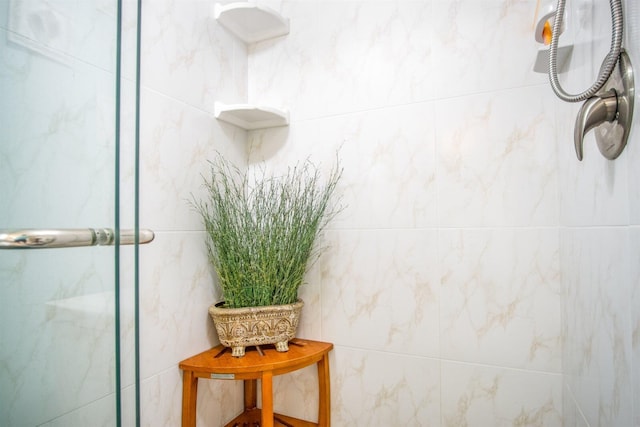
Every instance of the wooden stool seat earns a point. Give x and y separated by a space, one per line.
259 363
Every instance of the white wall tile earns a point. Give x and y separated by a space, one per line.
476 395
175 295
499 300
345 56
296 394
598 335
218 401
188 56
496 163
384 389
481 46
380 292
387 156
176 142
635 322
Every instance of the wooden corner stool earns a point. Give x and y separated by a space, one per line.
259 363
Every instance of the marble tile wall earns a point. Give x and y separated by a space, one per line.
632 35
466 213
188 63
633 333
599 253
441 289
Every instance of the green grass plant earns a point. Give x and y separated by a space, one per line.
262 231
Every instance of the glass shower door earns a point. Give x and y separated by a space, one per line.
58 101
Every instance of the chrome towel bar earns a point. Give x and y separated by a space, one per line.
69 238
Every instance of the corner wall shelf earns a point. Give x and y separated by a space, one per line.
251 117
250 22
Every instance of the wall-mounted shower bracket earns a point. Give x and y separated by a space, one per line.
609 112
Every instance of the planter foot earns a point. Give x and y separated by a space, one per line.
237 351
282 346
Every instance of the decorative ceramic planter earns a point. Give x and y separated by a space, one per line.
242 327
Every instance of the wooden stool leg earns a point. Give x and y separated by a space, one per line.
324 390
189 398
267 399
250 394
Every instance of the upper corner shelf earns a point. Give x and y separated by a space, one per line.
251 22
251 117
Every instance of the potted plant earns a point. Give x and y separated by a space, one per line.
261 238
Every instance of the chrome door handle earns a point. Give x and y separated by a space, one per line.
69 238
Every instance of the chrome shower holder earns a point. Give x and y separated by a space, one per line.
609 112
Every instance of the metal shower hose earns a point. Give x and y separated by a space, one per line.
608 64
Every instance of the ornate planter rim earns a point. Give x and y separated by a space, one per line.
249 326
